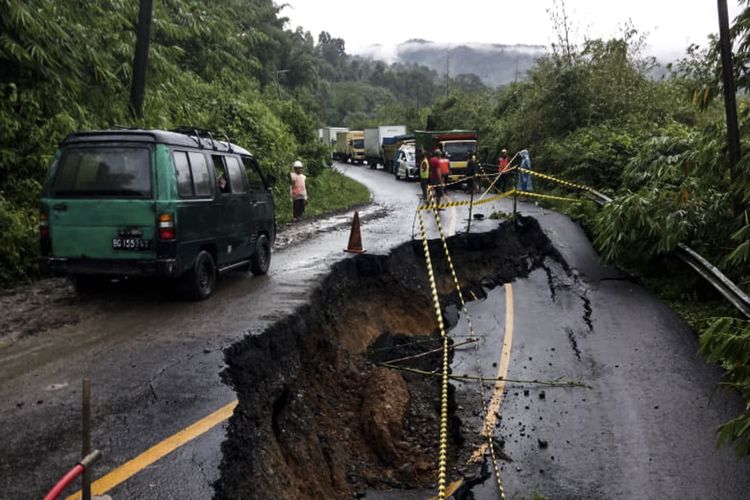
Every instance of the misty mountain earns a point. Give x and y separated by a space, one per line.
495 64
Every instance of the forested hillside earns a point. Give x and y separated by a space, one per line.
589 113
494 64
229 66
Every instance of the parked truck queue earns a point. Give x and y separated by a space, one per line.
400 152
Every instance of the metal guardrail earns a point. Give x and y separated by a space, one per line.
720 282
708 271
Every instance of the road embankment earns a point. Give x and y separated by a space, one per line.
318 416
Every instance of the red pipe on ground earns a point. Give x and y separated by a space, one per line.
64 482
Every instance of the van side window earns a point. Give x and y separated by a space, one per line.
192 174
235 175
254 180
222 180
201 179
184 178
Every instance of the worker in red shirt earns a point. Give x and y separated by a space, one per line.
445 166
503 168
436 177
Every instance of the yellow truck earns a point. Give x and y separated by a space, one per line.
456 143
350 146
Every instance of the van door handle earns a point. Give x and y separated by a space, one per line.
60 207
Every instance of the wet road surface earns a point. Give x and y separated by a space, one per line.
154 362
645 429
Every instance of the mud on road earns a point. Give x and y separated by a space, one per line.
318 417
51 303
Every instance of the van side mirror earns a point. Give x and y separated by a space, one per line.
272 180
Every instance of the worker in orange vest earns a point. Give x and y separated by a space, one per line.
503 168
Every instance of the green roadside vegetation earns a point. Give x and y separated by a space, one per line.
231 66
593 114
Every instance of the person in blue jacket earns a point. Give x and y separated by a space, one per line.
524 178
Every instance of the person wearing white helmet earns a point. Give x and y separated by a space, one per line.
298 190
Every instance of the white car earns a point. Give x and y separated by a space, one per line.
405 163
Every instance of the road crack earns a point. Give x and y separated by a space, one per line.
153 392
573 342
550 282
587 310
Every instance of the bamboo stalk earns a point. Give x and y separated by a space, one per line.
548 383
433 351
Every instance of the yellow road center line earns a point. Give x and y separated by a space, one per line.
502 372
451 489
454 220
158 451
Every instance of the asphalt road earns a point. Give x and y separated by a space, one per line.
645 429
154 362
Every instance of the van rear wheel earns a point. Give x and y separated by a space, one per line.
200 281
261 259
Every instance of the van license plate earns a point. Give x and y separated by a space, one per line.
130 244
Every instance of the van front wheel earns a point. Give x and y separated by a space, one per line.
261 259
199 282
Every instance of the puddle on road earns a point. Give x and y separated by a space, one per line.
319 418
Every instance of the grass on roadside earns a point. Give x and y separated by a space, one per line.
329 191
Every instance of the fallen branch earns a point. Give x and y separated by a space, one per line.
433 340
548 383
433 351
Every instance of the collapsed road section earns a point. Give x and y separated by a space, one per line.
318 416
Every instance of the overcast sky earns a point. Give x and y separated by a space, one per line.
671 25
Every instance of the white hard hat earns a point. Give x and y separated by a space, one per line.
297 164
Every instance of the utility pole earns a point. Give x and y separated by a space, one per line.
447 73
730 100
140 61
278 86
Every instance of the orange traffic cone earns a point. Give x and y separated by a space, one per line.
355 238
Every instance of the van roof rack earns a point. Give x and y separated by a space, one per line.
198 133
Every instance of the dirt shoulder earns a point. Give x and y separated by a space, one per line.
51 303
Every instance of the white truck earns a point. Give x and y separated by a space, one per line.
374 138
328 135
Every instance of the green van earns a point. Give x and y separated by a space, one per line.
177 204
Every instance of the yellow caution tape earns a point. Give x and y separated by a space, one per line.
546 196
555 179
452 488
443 449
460 180
465 311
433 206
465 178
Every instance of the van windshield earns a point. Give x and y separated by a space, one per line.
108 172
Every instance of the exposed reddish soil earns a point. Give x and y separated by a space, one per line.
318 417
